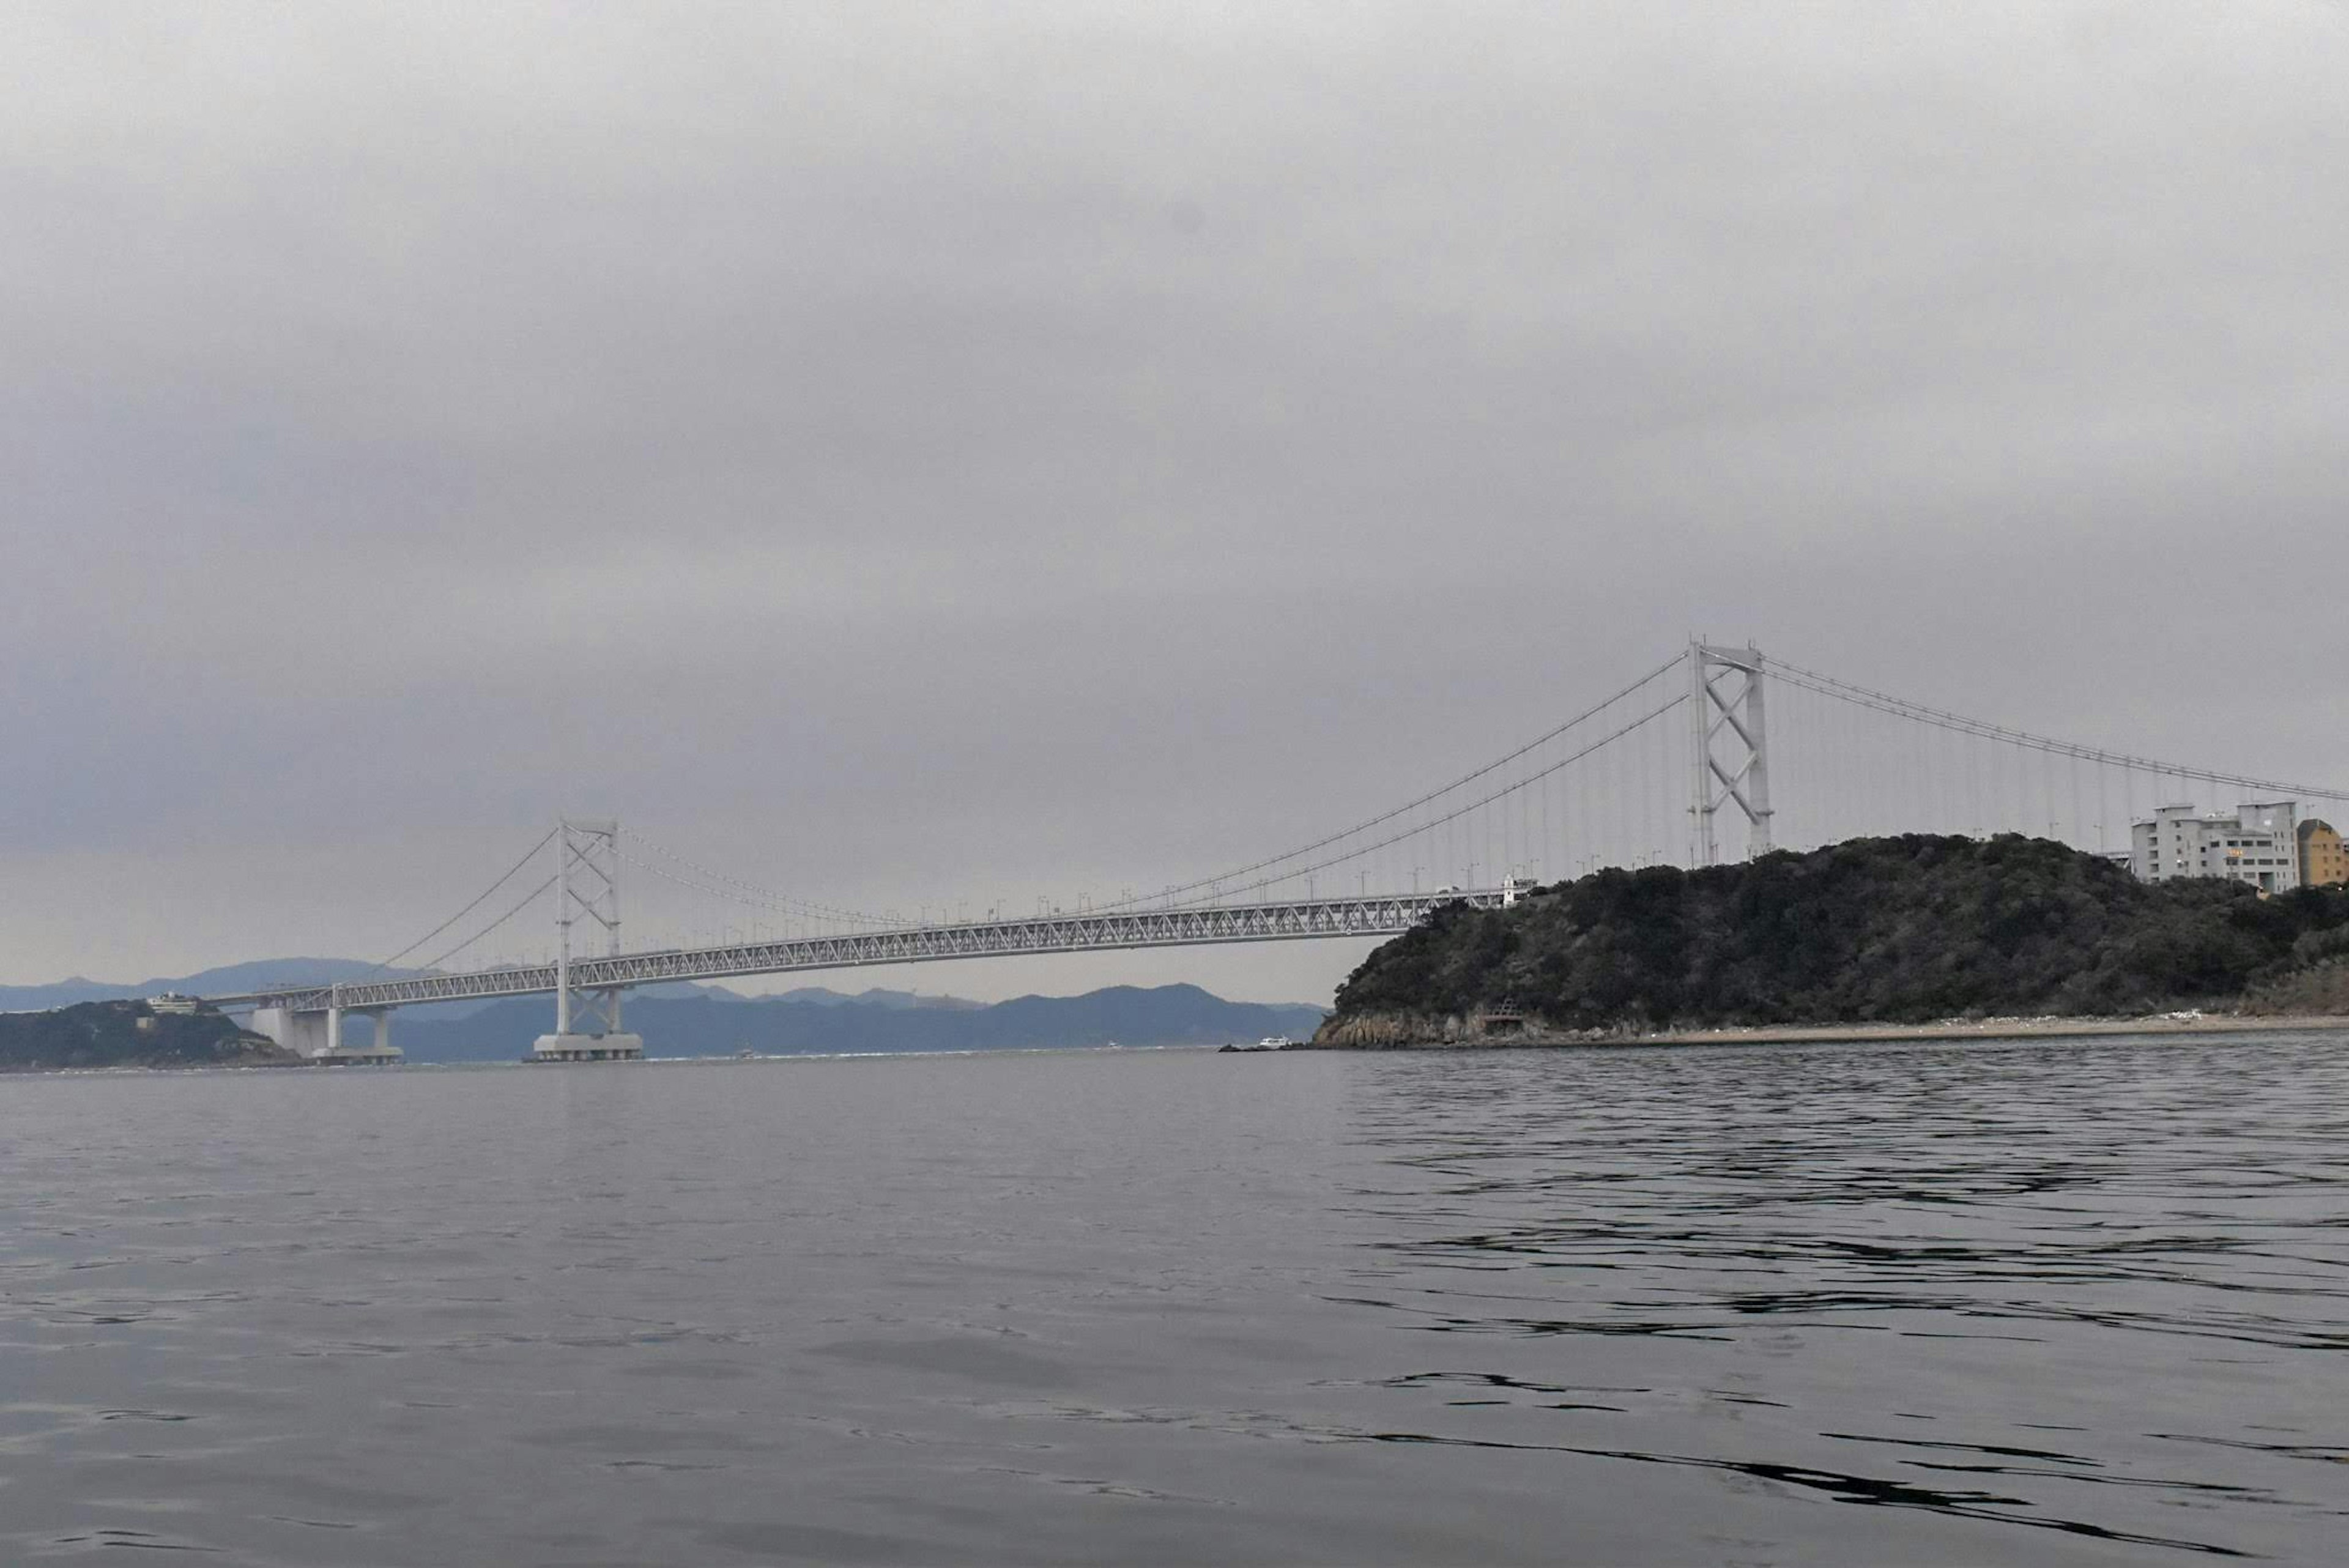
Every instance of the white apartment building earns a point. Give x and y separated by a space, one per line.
2260 844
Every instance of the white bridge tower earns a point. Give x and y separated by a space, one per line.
1729 745
586 886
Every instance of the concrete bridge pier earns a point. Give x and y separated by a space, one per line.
379 1052
304 1033
380 1048
318 1037
570 1043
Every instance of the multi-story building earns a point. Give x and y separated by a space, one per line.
2323 861
2259 845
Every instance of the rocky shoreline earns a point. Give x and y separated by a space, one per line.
1416 1032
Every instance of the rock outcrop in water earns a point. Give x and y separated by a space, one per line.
129 1035
1877 931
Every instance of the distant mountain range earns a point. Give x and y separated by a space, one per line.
228 978
231 978
683 1020
705 1026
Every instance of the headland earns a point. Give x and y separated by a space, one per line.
127 1033
1916 937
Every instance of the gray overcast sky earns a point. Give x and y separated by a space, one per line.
910 451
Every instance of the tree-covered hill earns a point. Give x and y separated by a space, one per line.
128 1034
1903 930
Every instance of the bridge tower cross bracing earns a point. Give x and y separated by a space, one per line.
1729 745
586 886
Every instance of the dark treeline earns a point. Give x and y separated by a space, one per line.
1903 930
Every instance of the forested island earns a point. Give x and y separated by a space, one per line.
129 1035
1907 931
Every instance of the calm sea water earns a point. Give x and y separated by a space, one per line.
2027 1304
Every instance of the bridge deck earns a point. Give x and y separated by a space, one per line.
1295 920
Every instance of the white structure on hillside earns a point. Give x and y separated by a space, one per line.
2259 845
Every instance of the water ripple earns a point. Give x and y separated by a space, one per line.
2058 1303
2067 1229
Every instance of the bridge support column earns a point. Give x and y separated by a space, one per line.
380 1048
304 1033
323 1039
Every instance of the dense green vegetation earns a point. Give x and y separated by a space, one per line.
127 1035
1904 929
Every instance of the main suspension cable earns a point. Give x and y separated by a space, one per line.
723 885
493 925
1884 702
1459 812
1387 816
468 908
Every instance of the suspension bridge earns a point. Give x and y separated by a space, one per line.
1712 743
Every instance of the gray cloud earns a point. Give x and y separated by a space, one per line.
918 452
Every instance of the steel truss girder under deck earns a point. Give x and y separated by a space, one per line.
1293 920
